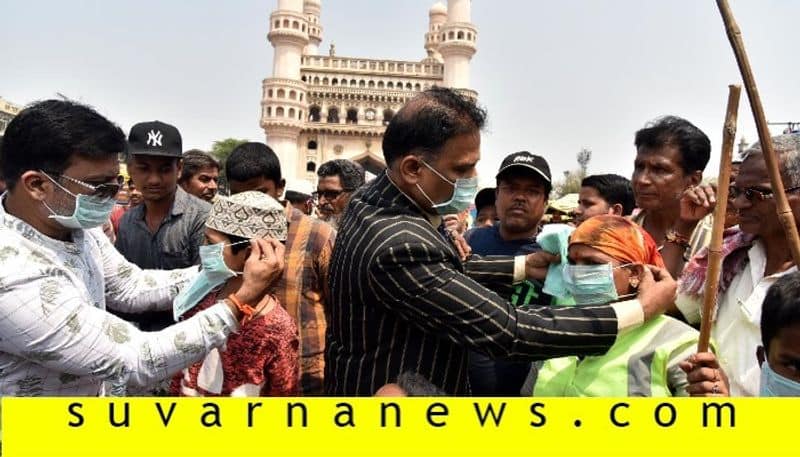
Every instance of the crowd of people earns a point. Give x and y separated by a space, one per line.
191 277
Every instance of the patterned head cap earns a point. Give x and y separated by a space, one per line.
249 215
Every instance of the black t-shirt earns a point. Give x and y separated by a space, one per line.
487 241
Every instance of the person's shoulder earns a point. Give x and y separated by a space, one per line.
131 214
481 233
278 321
194 203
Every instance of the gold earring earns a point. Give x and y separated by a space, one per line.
634 282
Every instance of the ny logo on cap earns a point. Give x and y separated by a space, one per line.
154 138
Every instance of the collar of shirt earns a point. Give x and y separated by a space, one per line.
30 233
751 306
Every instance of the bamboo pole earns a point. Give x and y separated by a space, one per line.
782 203
715 248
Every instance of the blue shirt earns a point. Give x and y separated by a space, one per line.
487 241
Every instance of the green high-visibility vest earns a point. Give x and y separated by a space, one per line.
635 366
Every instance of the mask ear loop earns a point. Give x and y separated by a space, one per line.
238 273
634 282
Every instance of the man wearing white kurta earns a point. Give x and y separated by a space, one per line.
756 255
58 272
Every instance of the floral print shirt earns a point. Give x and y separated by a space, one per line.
56 339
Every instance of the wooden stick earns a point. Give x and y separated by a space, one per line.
784 211
715 248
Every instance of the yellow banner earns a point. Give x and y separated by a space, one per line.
440 427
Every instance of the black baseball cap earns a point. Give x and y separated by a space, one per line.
155 139
525 159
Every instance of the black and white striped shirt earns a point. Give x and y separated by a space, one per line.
401 300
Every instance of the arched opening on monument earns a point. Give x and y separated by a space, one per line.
311 167
314 113
352 116
312 145
371 85
333 115
388 114
371 164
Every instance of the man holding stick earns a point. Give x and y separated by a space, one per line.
753 259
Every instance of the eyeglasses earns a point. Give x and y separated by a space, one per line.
755 195
328 194
101 191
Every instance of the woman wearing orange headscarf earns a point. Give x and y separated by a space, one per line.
607 255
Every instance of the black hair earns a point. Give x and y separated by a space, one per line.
416 385
486 197
350 173
195 160
781 307
614 189
296 198
237 248
693 145
424 124
46 135
253 160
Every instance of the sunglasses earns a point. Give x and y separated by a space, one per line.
755 195
100 191
328 194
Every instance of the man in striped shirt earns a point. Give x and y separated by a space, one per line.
403 300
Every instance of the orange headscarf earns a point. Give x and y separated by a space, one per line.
619 238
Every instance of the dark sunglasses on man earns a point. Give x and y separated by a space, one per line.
328 194
100 191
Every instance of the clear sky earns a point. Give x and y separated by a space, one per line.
555 76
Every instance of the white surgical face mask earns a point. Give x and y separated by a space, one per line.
464 190
214 272
775 385
90 211
591 284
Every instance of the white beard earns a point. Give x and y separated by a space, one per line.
333 220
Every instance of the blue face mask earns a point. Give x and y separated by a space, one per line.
90 211
775 385
214 272
590 284
464 190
